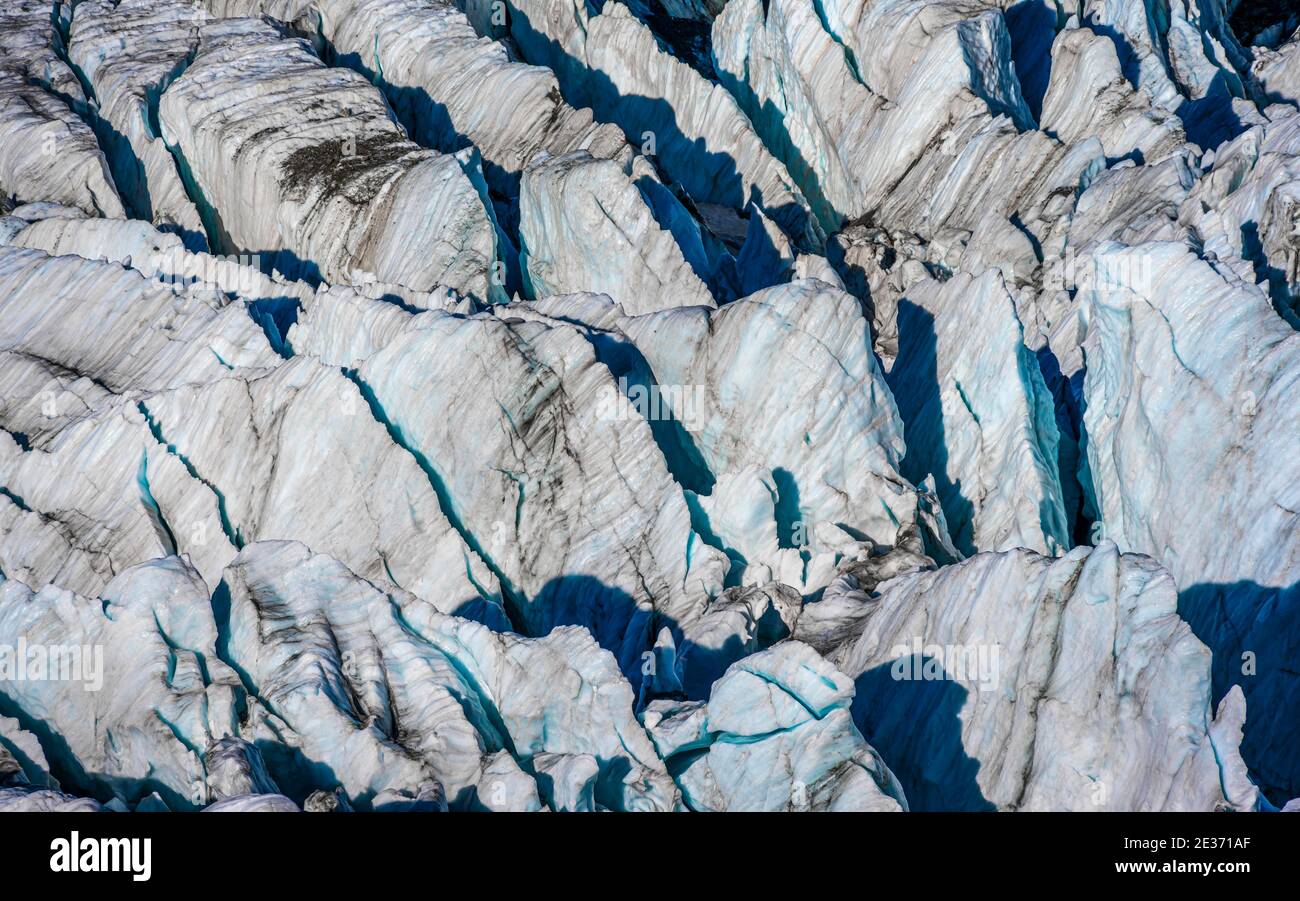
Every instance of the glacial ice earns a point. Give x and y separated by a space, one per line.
1244 210
459 692
47 151
570 504
776 734
1278 72
775 485
1184 58
586 226
978 418
129 53
612 62
463 695
1023 682
446 82
418 405
905 111
151 637
1089 96
334 188
1225 358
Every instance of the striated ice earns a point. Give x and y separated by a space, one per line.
585 405
1227 360
447 83
150 639
781 488
776 734
129 53
612 62
565 498
1014 681
337 193
1088 96
586 226
977 416
903 111
377 661
49 154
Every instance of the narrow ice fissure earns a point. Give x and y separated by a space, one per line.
511 598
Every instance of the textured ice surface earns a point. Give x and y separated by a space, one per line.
572 506
977 416
1019 682
74 406
781 489
1245 209
586 226
418 405
439 697
47 151
388 697
305 162
1278 72
776 734
1088 95
448 84
1227 362
1184 58
907 112
150 638
613 63
129 53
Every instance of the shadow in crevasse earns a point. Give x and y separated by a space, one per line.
635 378
1033 25
297 775
682 456
607 791
28 768
707 175
1253 17
429 122
73 779
914 382
690 40
1279 290
276 316
1207 121
915 726
759 263
1068 404
1254 633
789 518
769 122
678 216
608 612
128 171
288 264
1211 120
629 632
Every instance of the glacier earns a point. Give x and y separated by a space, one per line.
649 405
